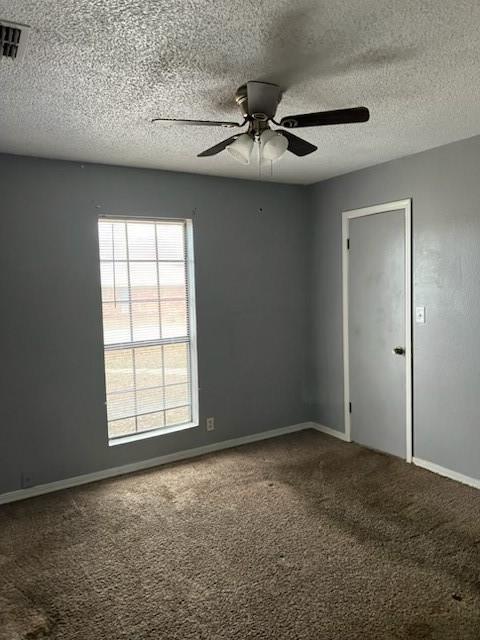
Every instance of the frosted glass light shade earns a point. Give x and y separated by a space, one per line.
273 144
241 148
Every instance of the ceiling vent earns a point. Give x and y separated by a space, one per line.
13 39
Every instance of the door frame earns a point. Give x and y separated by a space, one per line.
406 206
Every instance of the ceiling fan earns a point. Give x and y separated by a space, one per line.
258 102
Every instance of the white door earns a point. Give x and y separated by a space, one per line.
378 328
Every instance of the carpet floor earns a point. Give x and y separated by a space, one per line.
299 537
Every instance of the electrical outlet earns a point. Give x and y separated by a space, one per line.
210 424
26 480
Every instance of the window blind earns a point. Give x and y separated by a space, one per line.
147 319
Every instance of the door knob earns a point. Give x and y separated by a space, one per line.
399 351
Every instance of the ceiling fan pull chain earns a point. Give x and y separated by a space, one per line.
259 159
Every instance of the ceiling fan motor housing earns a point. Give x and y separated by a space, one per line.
258 100
241 100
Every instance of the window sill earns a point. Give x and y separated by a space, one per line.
134 437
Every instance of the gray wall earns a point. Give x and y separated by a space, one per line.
252 282
268 305
444 184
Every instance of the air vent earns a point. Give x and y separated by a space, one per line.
13 38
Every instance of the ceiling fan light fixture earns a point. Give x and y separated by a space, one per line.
241 148
273 145
258 102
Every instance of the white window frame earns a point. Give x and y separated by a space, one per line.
192 327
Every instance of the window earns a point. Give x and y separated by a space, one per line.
146 270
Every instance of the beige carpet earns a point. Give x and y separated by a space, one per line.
301 537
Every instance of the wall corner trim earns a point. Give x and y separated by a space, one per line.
330 432
447 473
67 483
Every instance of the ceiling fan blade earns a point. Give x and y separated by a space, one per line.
297 145
199 123
217 148
322 118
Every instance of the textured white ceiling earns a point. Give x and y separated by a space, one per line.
96 71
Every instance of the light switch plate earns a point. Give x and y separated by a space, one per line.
420 315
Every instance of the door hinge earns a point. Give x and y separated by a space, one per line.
349 407
348 243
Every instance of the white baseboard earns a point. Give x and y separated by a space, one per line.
22 494
330 432
448 473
